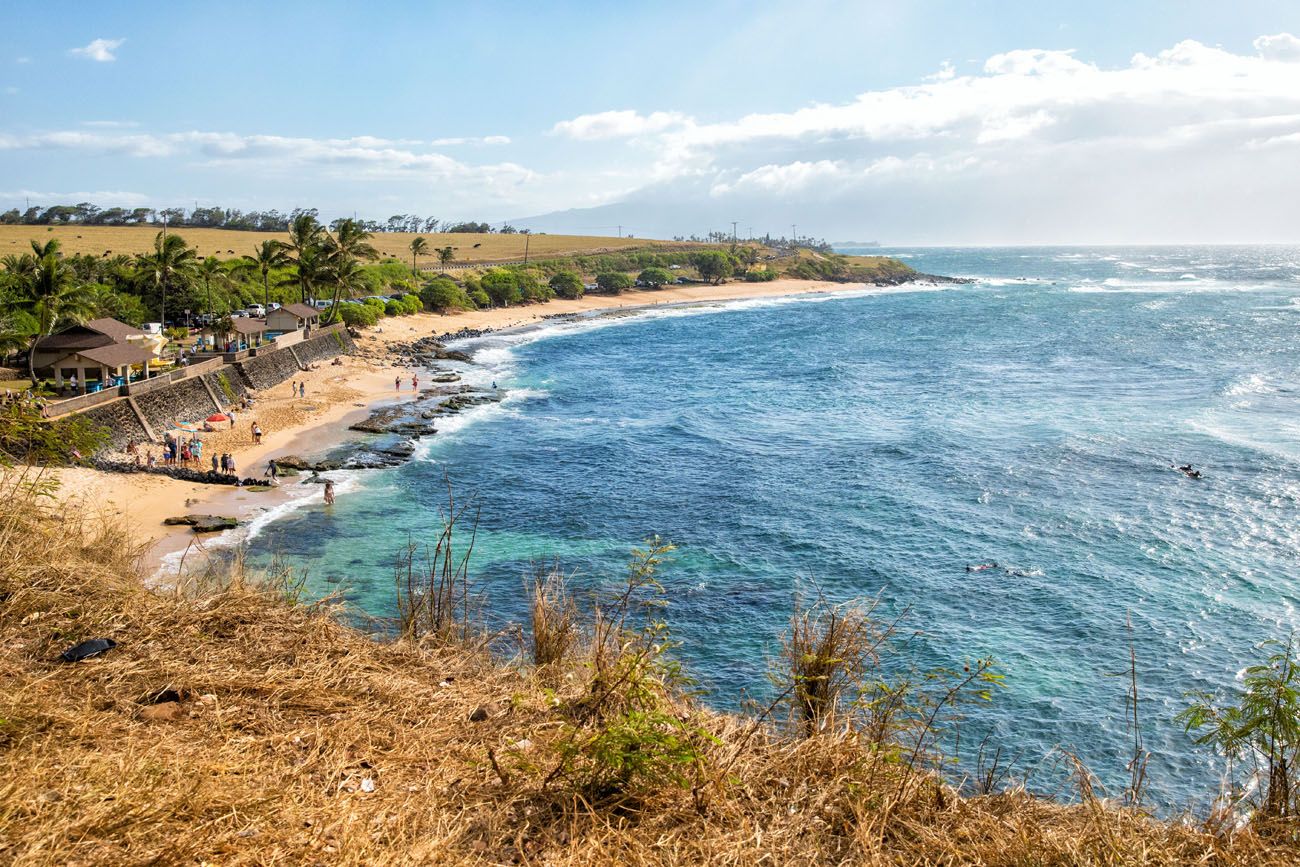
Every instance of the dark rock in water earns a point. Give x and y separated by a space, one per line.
452 355
293 462
203 523
445 377
87 649
288 472
314 479
326 466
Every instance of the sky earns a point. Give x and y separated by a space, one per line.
955 122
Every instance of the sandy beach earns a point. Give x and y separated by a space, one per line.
336 396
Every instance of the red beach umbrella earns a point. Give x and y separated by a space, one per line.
216 416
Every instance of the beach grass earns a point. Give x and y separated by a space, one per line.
234 724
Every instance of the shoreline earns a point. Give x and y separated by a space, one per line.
338 396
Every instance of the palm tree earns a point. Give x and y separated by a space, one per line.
170 260
210 271
305 238
417 247
445 255
270 254
343 251
52 296
348 278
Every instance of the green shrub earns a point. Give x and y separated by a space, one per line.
502 286
443 294
654 277
760 276
567 284
479 297
359 315
394 308
613 282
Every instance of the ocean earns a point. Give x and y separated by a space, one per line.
874 444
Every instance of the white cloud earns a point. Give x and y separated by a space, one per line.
1280 46
99 49
619 124
1197 129
119 198
946 71
22 60
470 140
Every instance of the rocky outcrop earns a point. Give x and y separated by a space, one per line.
203 523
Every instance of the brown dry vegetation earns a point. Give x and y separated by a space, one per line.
96 240
294 739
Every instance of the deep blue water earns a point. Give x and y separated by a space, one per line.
876 445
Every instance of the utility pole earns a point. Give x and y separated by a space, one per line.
793 234
620 231
733 233
528 236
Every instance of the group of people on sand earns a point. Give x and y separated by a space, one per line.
415 382
299 388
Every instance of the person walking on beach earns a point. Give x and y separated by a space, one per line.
257 434
272 470
231 464
329 492
398 383
302 388
214 463
415 382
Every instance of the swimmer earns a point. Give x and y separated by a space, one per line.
982 567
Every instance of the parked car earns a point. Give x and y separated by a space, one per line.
152 328
257 311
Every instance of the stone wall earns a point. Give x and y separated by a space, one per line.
178 403
325 347
267 370
226 384
121 422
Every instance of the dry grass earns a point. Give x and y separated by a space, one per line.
297 740
97 240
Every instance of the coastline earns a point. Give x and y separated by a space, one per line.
337 397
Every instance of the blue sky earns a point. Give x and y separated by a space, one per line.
960 122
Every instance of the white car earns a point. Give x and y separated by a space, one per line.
256 310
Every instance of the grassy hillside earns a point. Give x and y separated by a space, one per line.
225 243
233 725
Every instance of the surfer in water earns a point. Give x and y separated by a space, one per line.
1187 470
981 567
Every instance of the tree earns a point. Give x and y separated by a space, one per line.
304 248
51 296
567 284
171 260
442 293
613 282
268 255
1262 727
532 288
654 277
417 247
445 255
714 265
210 271
342 252
502 286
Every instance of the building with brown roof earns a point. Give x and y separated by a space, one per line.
292 317
100 351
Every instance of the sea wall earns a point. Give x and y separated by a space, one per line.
179 403
121 422
191 399
264 371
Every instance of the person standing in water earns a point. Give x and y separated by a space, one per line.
329 492
398 383
415 382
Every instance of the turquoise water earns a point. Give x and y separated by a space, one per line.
877 444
